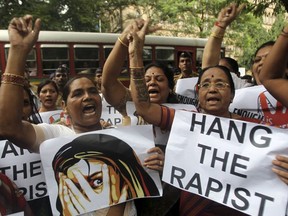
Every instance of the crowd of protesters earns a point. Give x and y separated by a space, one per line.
152 87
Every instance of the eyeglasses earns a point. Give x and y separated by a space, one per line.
218 85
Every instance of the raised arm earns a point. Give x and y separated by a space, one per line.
113 90
22 36
272 75
212 50
150 112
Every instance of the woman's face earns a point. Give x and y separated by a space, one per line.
83 103
157 84
215 93
27 108
48 96
258 62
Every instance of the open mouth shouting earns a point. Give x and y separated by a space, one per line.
89 109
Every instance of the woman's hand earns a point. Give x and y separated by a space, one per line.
136 38
22 34
228 14
281 168
156 160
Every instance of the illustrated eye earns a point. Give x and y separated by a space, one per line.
96 180
97 183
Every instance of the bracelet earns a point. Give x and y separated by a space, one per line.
138 78
283 33
136 68
8 78
218 25
119 39
217 35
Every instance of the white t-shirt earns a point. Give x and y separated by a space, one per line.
46 131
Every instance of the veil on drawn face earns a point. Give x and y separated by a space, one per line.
112 151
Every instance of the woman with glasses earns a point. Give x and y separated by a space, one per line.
215 90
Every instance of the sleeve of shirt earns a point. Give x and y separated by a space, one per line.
167 117
46 131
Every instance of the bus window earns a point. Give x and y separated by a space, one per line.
86 57
31 60
53 55
107 50
165 55
199 56
147 55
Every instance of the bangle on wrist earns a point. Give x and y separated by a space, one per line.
218 25
119 39
136 68
217 35
13 79
283 33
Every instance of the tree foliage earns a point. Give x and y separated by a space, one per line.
192 18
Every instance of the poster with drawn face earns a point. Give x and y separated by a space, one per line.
95 170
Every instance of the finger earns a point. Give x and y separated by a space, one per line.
145 26
22 25
76 193
135 26
155 162
106 183
282 158
285 180
281 173
76 204
155 167
240 8
61 188
140 23
85 186
68 203
37 27
279 163
28 20
156 150
124 194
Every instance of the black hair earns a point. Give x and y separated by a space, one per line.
233 64
62 69
47 82
35 117
266 44
66 89
185 54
